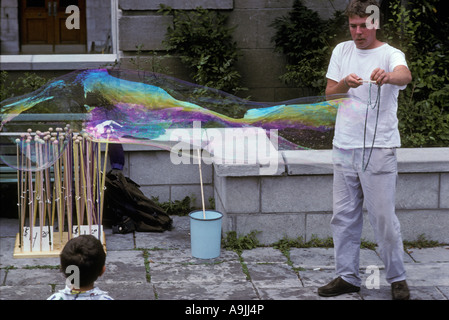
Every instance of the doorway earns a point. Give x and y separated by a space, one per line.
43 27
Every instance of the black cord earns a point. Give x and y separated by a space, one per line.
376 104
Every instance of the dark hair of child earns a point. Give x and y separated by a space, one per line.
87 253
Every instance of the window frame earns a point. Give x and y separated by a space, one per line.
29 62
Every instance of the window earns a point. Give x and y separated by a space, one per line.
40 34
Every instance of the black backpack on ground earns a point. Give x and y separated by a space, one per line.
129 209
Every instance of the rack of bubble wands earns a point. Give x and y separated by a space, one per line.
60 183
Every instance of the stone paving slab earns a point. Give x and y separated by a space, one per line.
29 292
159 266
217 290
176 273
264 255
128 290
7 259
273 275
184 256
438 254
33 277
429 274
119 242
444 291
122 266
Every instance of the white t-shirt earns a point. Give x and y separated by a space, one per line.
350 122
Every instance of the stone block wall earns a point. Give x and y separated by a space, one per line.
157 176
298 201
139 24
260 66
9 26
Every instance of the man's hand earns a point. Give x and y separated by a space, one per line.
353 80
400 76
380 76
350 81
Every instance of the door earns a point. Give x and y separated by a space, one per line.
44 30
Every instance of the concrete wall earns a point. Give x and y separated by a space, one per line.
260 66
9 26
153 170
298 201
140 24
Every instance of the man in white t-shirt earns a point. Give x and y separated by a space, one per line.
364 152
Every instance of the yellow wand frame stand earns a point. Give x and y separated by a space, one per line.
62 198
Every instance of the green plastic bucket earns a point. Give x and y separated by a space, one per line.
205 234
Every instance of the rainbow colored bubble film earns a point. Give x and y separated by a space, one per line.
137 107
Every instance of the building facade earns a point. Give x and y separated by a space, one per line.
65 35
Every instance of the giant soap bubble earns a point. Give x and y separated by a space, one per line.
136 107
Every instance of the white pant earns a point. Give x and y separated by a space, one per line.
377 186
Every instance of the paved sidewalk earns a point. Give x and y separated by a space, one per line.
159 266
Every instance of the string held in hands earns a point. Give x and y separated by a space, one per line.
371 106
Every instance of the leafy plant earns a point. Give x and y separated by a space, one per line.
286 243
422 33
24 84
204 43
422 242
178 207
242 242
307 42
420 30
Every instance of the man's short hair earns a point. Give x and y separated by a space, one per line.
87 253
358 7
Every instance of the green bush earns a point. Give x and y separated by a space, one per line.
420 30
205 44
422 33
242 242
176 208
307 41
22 85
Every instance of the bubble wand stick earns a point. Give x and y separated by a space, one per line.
201 183
103 181
76 168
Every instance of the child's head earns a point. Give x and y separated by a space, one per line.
85 252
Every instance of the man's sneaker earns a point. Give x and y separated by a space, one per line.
336 287
399 290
